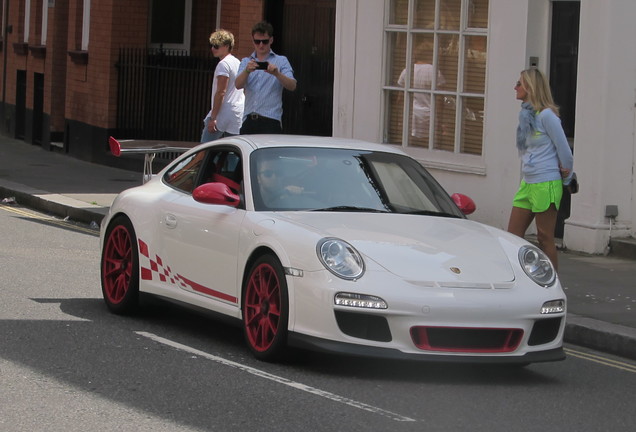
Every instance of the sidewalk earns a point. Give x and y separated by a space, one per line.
601 290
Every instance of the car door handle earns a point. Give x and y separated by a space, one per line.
170 220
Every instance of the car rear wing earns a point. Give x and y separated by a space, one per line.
149 148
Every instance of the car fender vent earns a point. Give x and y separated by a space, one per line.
544 331
364 326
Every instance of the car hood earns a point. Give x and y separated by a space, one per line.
420 249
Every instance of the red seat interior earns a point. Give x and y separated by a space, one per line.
222 179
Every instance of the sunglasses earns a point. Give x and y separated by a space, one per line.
261 41
214 46
268 173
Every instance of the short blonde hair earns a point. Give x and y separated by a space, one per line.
222 37
535 83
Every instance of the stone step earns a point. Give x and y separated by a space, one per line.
623 248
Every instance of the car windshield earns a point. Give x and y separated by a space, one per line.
342 180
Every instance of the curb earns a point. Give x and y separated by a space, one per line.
601 336
56 204
623 248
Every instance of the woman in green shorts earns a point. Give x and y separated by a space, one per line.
546 158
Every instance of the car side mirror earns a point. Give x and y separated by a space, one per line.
465 203
216 193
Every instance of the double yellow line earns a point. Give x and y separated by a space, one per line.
48 219
617 364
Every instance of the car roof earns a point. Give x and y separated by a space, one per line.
271 141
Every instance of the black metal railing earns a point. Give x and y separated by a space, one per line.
163 94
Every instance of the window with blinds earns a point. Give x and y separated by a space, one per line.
436 74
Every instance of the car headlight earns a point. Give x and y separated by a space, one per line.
537 265
340 258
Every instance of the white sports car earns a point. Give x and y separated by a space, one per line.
331 244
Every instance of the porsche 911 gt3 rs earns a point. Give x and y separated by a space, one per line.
331 244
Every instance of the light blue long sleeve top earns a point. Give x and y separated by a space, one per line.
545 150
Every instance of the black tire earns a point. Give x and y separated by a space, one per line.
120 267
265 308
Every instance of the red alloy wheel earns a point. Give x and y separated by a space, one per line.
265 309
117 268
120 282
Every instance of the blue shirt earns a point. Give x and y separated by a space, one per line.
546 149
263 91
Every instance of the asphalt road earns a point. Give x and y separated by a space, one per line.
66 364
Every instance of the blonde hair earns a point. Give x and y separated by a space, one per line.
222 37
536 85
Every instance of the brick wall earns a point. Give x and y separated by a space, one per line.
250 12
35 21
82 88
230 19
203 23
76 88
92 88
14 61
55 73
237 17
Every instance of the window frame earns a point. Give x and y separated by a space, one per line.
45 21
86 24
205 166
187 168
187 24
27 21
455 160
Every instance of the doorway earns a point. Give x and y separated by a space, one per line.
38 107
20 104
564 49
305 33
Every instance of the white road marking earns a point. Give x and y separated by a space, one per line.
278 379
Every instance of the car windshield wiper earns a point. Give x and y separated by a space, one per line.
430 213
350 209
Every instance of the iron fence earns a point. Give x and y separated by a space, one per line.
163 94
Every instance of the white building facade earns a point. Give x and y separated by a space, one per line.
475 50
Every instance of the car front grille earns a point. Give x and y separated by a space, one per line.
459 339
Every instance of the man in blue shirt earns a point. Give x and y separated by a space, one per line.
263 76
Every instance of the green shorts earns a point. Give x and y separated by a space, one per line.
537 197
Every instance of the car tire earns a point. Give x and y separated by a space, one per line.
265 308
120 267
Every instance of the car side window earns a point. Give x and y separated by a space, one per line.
224 166
184 175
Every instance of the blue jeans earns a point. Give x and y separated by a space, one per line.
206 135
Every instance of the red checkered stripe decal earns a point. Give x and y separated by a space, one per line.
152 268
